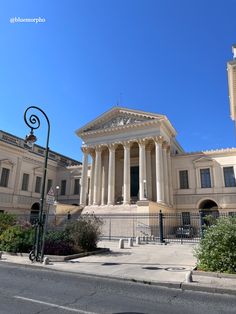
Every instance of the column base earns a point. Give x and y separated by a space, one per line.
126 203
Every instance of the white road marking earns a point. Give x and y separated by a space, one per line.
54 305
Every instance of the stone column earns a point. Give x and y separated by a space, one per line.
84 178
97 176
170 176
159 168
111 174
92 154
149 173
126 185
165 168
103 185
142 171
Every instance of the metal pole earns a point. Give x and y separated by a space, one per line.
34 123
161 227
201 223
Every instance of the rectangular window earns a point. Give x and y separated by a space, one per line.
25 182
185 218
63 187
4 177
183 179
49 185
77 187
38 184
205 178
229 176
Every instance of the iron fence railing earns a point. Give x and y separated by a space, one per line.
158 227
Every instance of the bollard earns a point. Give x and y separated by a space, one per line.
189 277
0 255
46 260
138 240
130 242
121 244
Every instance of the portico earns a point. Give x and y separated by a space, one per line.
130 159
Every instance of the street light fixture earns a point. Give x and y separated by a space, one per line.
57 188
33 122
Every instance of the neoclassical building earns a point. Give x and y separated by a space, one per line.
21 174
137 165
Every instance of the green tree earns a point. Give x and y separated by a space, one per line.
217 250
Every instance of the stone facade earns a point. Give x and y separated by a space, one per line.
136 160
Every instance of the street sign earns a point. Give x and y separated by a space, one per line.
50 198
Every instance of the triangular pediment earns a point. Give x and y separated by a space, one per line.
117 121
203 159
118 117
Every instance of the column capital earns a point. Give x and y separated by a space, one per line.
166 145
112 146
158 139
98 148
127 144
142 142
85 149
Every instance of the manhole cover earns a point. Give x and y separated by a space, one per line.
175 268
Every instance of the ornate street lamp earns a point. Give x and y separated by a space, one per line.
33 123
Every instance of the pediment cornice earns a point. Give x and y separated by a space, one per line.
120 119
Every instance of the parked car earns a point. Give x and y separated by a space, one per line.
186 231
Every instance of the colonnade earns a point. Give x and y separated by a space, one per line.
97 173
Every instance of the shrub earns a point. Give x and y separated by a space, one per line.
6 221
217 250
16 239
58 243
85 232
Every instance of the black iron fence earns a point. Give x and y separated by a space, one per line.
158 227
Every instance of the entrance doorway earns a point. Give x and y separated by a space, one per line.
134 186
209 207
34 213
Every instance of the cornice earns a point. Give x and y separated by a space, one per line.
209 152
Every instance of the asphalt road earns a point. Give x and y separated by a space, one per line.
26 290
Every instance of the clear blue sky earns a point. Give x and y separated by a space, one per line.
164 56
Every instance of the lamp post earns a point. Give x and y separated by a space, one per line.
33 122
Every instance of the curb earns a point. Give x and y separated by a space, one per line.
61 258
203 288
215 275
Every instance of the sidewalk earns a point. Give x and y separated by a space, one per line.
165 265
